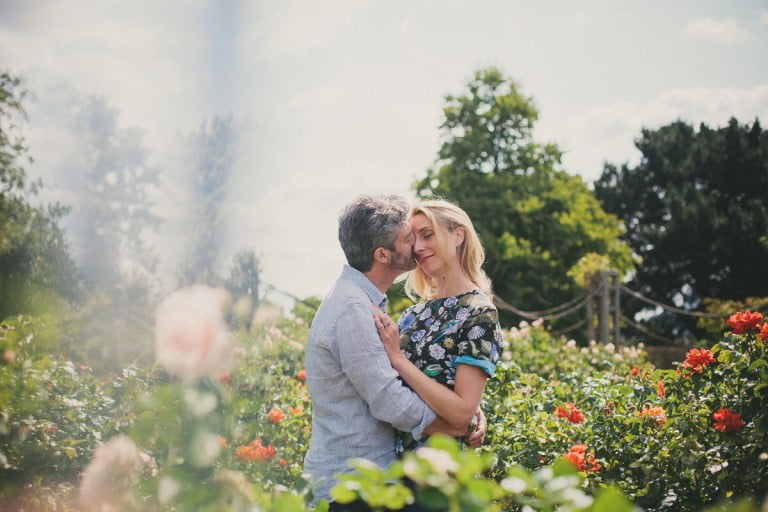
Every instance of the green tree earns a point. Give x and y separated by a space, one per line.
696 211
36 270
536 221
114 210
214 158
243 284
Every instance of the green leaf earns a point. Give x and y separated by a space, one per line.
611 499
289 502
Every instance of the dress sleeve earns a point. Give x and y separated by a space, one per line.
480 340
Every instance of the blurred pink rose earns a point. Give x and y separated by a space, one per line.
191 334
108 480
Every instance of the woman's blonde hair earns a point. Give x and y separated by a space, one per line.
446 218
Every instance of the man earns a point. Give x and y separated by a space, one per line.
357 398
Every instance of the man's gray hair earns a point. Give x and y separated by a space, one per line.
367 223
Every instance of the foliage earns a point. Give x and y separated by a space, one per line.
657 442
445 477
243 284
111 181
237 441
694 210
213 157
305 310
53 412
37 273
535 221
714 328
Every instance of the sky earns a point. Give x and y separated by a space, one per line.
337 98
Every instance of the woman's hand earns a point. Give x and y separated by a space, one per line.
476 438
390 335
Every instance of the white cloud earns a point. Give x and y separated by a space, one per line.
764 16
288 28
607 132
724 31
140 55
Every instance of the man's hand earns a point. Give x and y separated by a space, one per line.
476 438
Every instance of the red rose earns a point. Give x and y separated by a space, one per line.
728 421
572 413
579 458
744 322
763 335
302 375
698 358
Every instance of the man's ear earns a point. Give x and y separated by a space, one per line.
381 255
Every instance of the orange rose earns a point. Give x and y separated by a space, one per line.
661 389
763 334
255 451
302 375
276 415
657 413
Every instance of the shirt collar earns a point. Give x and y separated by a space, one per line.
377 298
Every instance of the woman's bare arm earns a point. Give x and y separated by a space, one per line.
456 406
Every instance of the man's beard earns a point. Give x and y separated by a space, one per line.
401 262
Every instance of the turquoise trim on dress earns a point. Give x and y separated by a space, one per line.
487 366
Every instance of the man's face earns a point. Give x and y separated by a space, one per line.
402 257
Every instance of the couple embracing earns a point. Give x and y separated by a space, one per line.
378 387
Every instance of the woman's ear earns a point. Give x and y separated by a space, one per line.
459 234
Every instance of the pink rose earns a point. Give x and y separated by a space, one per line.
191 336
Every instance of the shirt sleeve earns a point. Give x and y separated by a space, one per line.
367 366
479 341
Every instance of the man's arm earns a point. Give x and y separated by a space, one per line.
366 365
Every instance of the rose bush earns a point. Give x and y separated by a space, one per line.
233 437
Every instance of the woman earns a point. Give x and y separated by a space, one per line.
452 340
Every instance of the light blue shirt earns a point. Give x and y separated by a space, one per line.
357 398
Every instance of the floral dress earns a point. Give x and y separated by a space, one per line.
438 335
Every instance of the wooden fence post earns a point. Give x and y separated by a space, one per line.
605 305
590 308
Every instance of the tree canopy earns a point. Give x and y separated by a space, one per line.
696 211
36 270
537 223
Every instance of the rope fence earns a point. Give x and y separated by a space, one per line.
605 289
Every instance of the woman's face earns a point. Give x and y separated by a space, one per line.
431 256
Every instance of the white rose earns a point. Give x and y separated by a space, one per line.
191 337
442 463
